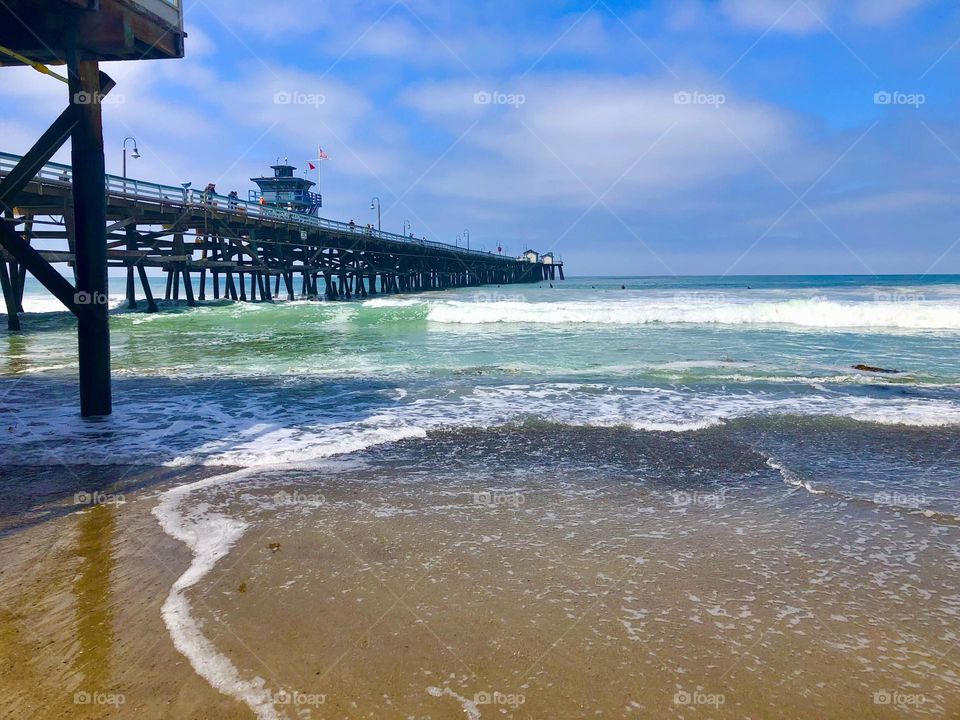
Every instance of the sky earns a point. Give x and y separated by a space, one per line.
668 137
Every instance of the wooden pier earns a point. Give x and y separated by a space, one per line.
76 215
213 246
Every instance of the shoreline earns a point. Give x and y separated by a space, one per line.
374 585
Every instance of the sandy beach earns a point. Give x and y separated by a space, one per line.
374 588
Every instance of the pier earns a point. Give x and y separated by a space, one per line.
213 246
273 247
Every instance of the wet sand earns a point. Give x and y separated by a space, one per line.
80 597
387 590
416 602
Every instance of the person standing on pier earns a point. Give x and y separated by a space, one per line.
208 192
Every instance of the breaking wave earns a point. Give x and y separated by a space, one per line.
806 313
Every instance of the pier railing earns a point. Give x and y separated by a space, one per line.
154 193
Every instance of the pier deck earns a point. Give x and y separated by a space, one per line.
250 251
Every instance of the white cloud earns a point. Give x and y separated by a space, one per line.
198 43
807 16
683 14
279 19
27 91
778 15
894 202
878 12
575 136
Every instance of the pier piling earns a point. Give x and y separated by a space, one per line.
90 219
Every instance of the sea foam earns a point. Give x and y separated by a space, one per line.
806 313
221 432
209 536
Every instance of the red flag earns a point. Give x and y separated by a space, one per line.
312 166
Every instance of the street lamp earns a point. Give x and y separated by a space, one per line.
135 155
466 234
457 243
407 227
377 207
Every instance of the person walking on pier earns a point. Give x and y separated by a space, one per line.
208 192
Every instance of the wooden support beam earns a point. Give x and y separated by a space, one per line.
22 271
90 214
119 224
188 288
148 293
229 289
10 301
31 260
131 287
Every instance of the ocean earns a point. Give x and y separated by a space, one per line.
265 384
691 468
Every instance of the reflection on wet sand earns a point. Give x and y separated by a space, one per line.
56 618
81 634
94 616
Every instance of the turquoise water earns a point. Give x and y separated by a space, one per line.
295 382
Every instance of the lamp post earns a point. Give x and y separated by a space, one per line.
466 234
135 155
377 201
406 228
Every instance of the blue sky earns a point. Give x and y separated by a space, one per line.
682 137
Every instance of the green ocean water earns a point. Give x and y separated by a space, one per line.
295 382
